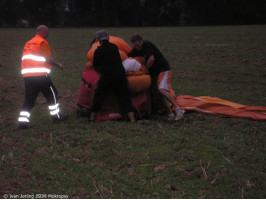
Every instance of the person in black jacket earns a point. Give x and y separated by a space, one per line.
107 62
160 72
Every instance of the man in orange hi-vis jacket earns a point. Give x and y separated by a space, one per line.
35 66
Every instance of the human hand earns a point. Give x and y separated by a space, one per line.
61 66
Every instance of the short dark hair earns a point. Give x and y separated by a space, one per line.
135 38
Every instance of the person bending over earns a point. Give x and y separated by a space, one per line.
107 62
159 70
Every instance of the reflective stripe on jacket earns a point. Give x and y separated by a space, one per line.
33 60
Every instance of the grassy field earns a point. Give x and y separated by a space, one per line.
200 156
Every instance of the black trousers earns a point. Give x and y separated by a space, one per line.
119 87
33 86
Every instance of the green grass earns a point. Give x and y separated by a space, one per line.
200 156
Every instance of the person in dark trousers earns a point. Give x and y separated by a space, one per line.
107 62
35 66
159 70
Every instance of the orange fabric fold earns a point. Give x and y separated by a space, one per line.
217 106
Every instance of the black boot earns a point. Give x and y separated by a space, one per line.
23 125
59 119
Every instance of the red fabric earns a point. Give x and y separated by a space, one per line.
86 94
217 106
110 108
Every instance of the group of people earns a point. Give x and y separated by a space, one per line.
37 62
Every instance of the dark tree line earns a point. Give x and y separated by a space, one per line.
79 13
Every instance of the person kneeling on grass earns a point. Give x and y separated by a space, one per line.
159 70
107 62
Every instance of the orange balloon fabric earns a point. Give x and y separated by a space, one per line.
119 42
139 83
217 106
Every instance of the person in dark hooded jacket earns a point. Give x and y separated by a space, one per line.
107 62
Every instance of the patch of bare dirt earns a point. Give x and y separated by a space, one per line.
11 89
